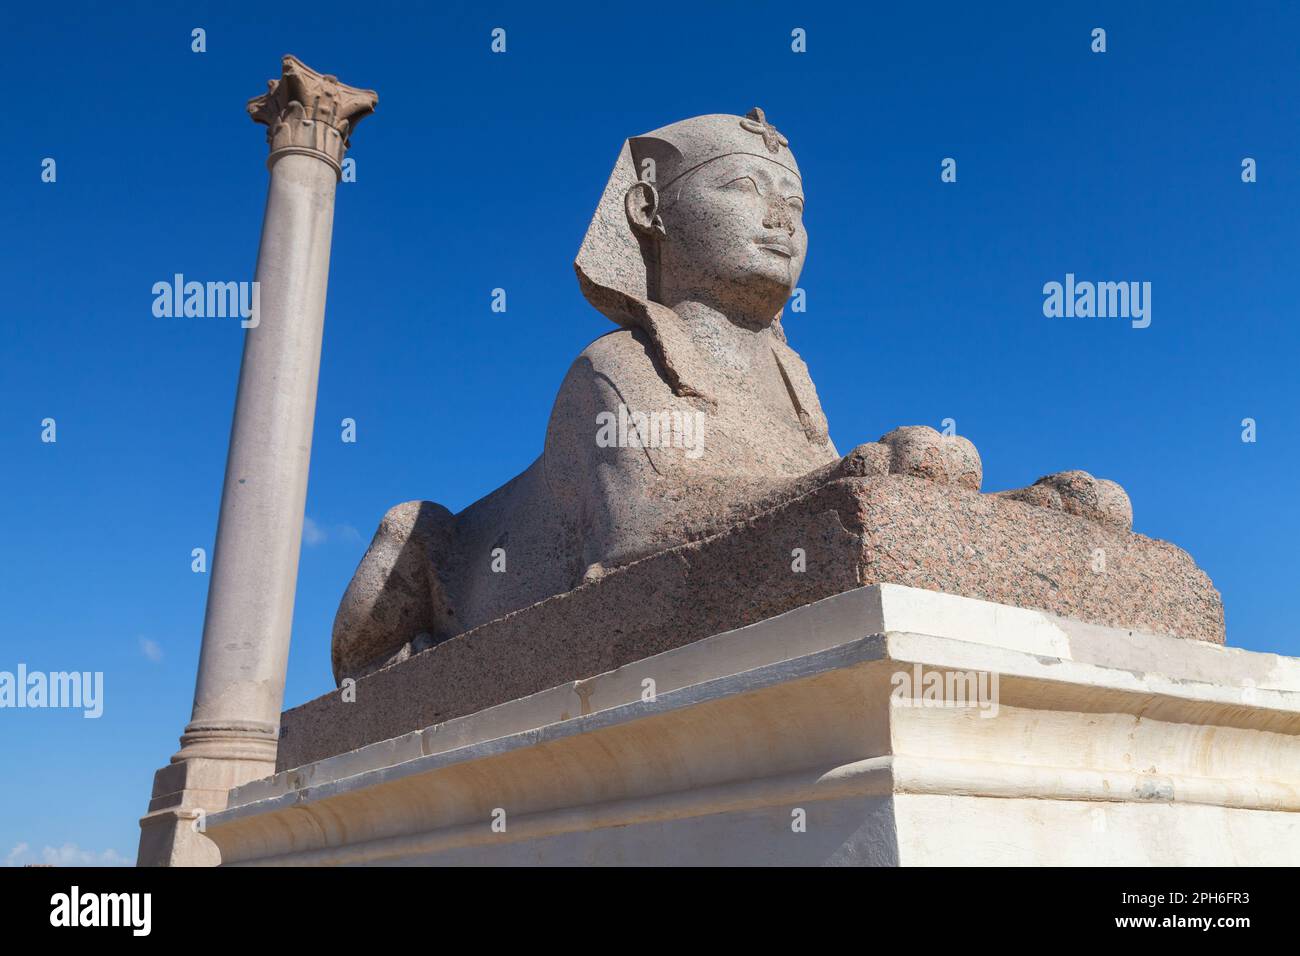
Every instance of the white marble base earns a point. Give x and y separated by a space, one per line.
1106 747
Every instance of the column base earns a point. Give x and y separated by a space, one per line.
185 791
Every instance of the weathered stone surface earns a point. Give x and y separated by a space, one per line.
853 531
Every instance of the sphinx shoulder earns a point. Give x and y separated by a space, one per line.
617 367
613 377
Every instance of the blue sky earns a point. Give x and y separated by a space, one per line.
481 171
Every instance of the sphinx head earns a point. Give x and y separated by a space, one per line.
728 232
710 210
718 206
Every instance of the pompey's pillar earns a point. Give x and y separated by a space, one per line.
231 736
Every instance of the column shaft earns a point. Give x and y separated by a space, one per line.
231 736
240 685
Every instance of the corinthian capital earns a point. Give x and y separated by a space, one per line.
310 112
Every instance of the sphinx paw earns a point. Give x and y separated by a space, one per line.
1079 493
921 452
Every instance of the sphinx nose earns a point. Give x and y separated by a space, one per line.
779 216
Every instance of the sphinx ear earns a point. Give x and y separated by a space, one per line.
642 205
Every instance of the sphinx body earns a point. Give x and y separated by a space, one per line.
585 506
695 414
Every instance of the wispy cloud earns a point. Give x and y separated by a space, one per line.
314 533
67 855
16 856
151 649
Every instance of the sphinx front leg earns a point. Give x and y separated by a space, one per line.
1079 493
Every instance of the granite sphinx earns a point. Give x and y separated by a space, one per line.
694 416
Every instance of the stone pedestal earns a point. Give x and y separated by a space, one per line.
885 725
184 792
854 532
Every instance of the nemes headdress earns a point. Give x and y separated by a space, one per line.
611 262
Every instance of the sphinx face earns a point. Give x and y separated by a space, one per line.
734 237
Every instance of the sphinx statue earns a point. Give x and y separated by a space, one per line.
693 414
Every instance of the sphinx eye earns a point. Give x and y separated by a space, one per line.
743 183
795 202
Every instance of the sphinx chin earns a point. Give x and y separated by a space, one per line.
761 299
773 274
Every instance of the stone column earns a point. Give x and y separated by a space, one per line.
231 736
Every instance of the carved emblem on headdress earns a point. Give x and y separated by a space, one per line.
756 122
